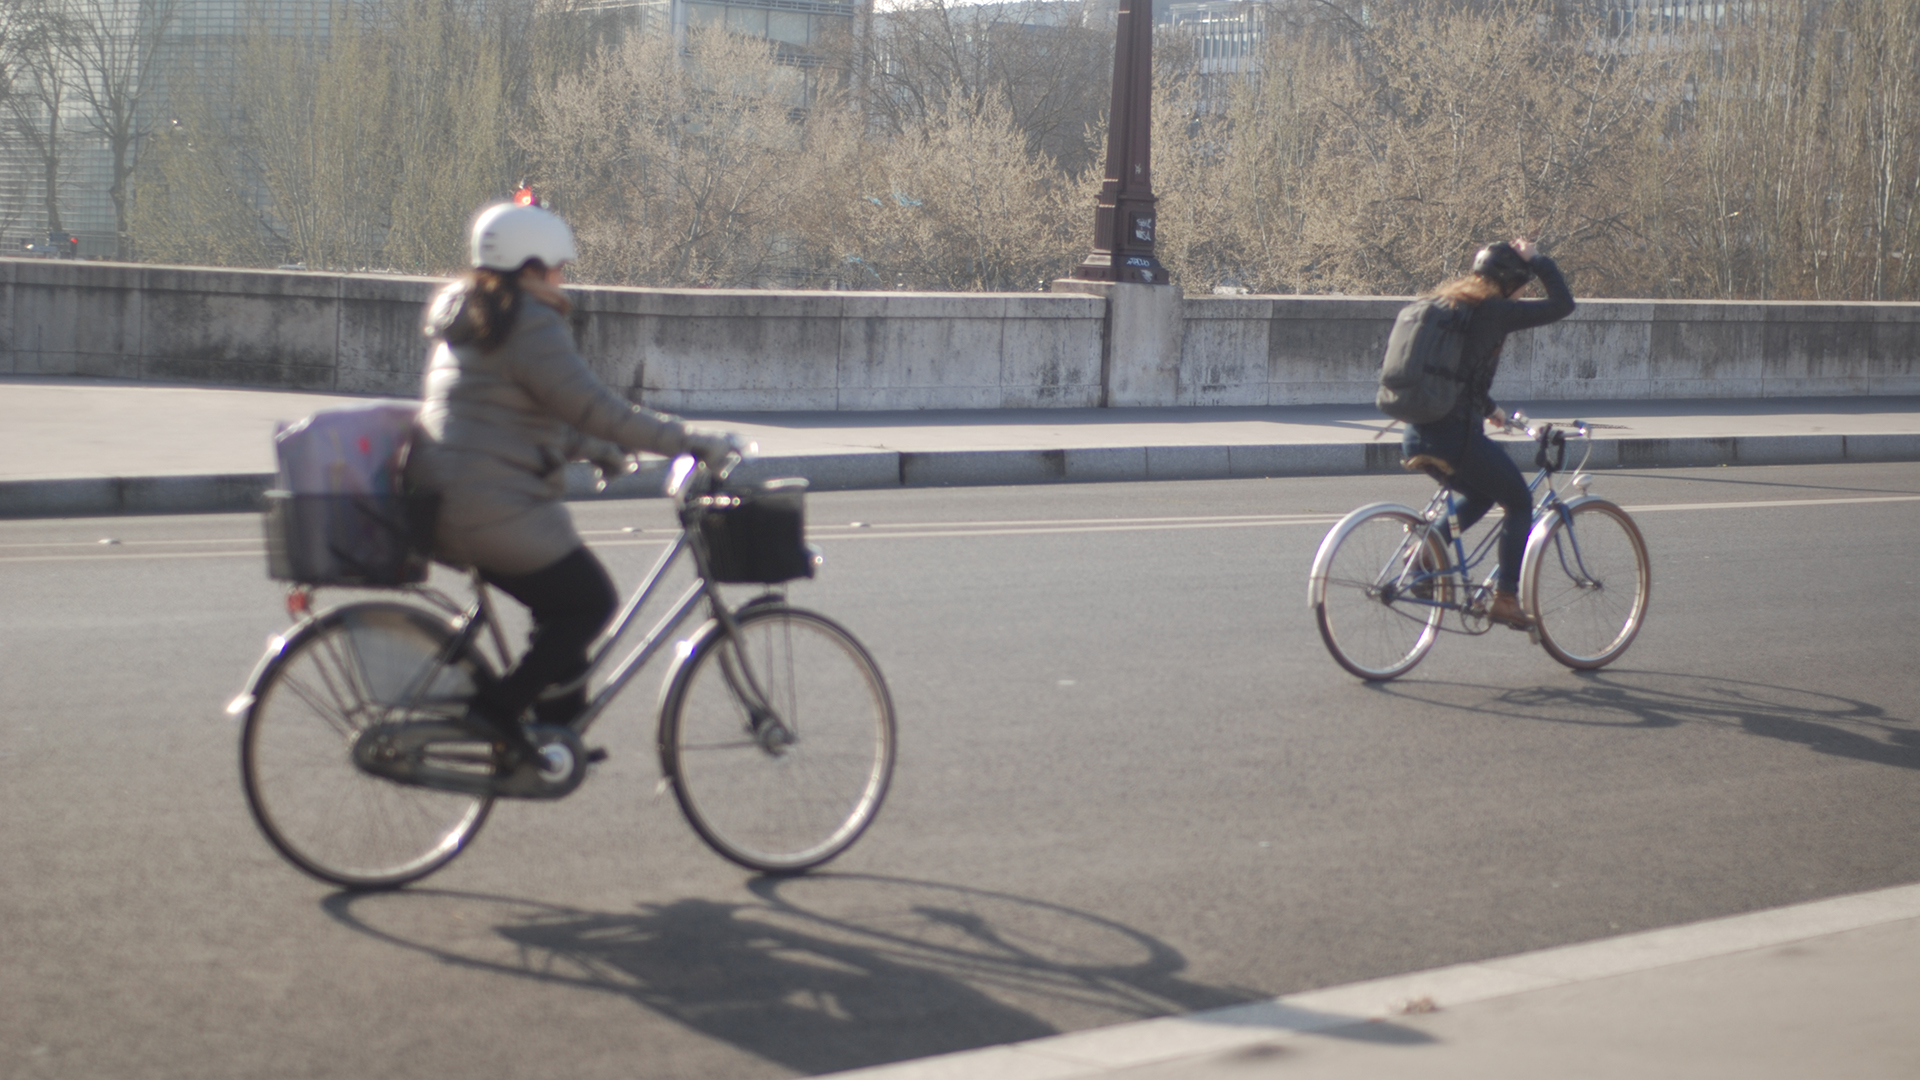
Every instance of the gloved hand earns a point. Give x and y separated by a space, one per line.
1509 422
610 459
712 447
612 468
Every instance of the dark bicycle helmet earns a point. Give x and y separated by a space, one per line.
1503 266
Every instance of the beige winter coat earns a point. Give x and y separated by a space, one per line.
498 427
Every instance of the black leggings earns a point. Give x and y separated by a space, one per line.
570 602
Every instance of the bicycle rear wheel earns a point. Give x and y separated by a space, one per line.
1587 581
1379 598
779 809
350 668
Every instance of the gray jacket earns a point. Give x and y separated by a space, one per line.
498 427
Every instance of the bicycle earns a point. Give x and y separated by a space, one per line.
1386 575
776 730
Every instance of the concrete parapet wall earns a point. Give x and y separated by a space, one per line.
1326 350
746 350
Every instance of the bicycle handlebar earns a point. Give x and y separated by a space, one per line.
686 469
1549 436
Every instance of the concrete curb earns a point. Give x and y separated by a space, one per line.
95 496
1206 1042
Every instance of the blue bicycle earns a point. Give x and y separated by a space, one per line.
1386 576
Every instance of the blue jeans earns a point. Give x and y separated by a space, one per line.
1483 475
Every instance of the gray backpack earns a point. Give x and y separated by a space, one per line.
1420 379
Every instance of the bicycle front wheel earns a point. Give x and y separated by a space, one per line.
1381 594
350 668
770 807
1587 580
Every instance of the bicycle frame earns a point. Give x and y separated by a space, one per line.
480 613
1444 507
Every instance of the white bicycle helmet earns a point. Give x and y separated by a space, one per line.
506 236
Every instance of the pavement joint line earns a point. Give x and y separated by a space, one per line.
1085 1054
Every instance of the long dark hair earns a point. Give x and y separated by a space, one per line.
1468 290
492 304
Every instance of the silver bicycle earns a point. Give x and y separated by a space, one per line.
776 730
1386 575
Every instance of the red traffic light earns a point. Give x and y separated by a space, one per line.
524 197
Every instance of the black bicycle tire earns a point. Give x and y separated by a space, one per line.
673 750
1430 622
291 649
1636 617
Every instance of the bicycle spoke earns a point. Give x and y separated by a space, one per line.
1589 585
1369 616
787 806
310 798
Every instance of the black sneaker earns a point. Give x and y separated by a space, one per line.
512 750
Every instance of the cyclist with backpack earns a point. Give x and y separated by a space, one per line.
1455 448
508 402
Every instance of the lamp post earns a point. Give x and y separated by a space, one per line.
1123 221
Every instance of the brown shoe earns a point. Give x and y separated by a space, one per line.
1506 610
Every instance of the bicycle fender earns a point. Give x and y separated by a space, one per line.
1317 580
1537 540
278 645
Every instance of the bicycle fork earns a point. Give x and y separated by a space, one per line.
769 729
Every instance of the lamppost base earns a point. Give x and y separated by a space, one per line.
1132 269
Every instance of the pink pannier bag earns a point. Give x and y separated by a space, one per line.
341 514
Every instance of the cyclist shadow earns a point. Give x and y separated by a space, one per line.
828 972
1823 722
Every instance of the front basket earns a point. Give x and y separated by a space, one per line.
757 534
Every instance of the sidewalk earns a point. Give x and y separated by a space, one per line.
1826 989
78 447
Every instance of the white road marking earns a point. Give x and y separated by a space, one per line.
1861 500
130 549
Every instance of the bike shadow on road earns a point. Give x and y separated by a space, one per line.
830 971
1823 722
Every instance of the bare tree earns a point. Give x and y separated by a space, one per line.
1373 154
451 114
965 206
1045 64
192 204
316 132
109 48
1806 134
676 169
36 94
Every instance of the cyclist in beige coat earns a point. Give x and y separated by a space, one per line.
508 402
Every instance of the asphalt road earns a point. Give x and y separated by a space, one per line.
1131 783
